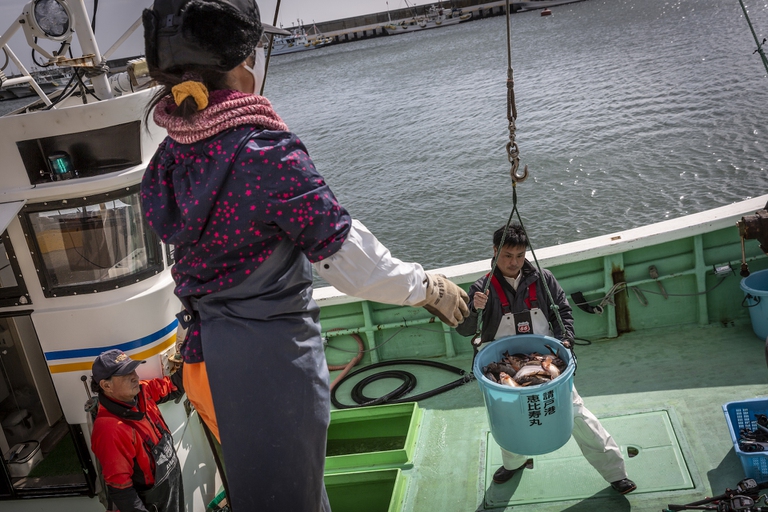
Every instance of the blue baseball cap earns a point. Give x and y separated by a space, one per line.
113 362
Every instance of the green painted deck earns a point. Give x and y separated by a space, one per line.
659 392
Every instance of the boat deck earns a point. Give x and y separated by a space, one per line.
659 392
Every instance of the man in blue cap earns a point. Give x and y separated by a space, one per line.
131 439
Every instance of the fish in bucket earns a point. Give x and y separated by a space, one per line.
528 419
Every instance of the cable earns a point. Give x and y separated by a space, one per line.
34 59
398 395
65 93
93 20
607 299
84 90
585 340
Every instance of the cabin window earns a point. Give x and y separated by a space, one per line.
92 244
12 289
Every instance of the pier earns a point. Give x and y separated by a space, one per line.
371 25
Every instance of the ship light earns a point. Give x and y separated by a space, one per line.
51 18
61 166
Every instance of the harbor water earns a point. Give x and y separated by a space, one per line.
629 112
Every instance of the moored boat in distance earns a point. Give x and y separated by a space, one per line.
298 41
49 80
435 17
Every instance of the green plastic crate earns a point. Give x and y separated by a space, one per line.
372 437
372 491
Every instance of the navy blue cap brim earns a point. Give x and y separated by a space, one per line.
128 368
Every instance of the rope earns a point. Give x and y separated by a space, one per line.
608 300
494 261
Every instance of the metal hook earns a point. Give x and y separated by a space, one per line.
513 155
519 178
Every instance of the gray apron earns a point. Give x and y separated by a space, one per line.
528 321
269 383
167 495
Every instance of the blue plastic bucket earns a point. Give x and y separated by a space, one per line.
530 420
755 288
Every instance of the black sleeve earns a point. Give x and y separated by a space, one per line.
177 379
126 500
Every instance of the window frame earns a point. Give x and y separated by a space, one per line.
12 296
152 244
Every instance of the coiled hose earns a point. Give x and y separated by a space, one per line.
397 395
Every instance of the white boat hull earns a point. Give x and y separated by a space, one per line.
415 26
284 49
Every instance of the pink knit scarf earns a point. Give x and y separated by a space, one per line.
225 110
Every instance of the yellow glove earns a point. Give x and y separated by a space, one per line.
445 300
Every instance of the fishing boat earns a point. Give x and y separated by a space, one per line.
298 41
660 352
51 79
435 17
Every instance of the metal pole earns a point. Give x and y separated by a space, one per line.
269 49
88 45
757 41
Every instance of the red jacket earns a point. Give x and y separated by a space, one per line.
119 444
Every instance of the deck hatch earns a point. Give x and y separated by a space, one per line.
657 465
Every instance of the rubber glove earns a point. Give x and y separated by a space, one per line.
445 300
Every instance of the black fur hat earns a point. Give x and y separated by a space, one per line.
216 34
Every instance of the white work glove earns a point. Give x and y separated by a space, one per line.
445 300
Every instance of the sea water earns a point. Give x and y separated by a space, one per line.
629 112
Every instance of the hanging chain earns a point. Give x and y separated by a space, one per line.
513 151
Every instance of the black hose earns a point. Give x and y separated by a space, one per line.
409 383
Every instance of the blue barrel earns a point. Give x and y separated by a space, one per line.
755 287
530 420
